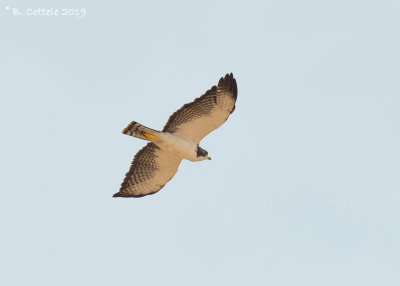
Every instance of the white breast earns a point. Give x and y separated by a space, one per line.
179 145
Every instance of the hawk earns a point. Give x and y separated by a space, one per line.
156 163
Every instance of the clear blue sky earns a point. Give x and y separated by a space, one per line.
304 185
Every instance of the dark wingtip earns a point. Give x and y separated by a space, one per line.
229 82
126 195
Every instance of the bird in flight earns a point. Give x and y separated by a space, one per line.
157 162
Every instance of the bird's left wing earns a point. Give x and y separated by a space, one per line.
206 113
150 170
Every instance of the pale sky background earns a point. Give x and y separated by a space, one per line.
304 185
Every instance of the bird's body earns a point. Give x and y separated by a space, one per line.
179 145
156 163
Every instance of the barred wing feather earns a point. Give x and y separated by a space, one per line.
208 112
151 168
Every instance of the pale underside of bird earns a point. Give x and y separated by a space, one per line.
156 163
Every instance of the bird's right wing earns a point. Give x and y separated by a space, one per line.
206 113
151 168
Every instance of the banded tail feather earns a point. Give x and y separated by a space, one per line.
140 131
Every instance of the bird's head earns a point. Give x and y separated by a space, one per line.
202 154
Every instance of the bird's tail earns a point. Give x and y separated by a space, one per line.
138 130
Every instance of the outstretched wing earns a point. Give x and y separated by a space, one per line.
150 170
206 113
